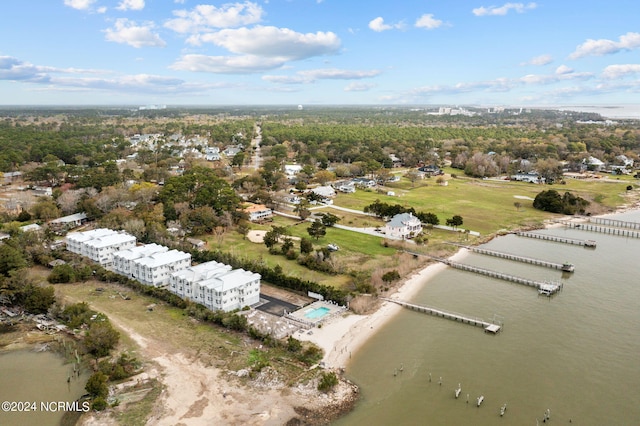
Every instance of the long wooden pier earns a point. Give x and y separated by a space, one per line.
557 239
602 229
487 326
614 222
566 267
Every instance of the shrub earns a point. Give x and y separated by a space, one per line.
327 381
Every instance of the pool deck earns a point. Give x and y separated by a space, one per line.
300 314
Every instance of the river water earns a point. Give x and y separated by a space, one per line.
37 377
576 354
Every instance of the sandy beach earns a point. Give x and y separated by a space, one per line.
342 337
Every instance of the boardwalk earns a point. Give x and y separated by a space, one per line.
566 267
574 241
488 327
602 229
614 222
545 288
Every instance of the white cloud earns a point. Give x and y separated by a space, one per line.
79 4
131 5
101 9
272 42
359 87
227 64
601 47
310 76
563 69
619 71
504 9
378 25
539 60
12 68
128 32
428 22
206 17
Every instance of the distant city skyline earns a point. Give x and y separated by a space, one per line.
319 52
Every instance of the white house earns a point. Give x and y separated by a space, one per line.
324 191
531 177
157 268
212 153
291 170
345 186
68 222
123 259
100 244
403 226
258 212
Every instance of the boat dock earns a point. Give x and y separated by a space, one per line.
615 223
555 238
602 229
566 267
488 327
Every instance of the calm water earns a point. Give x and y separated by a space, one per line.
36 377
577 353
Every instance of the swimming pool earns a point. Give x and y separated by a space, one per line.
317 313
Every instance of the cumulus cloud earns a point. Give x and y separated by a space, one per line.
245 64
428 22
563 69
79 4
504 9
539 60
205 17
12 68
128 32
619 71
131 5
310 76
629 41
272 42
378 25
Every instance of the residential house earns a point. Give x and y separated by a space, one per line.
291 170
324 191
182 283
68 222
212 153
32 227
156 269
530 177
593 164
395 161
232 150
364 182
430 170
403 226
259 212
347 187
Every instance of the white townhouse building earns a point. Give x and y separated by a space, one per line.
157 268
181 283
217 287
100 244
403 225
122 260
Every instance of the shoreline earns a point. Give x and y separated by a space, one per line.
342 337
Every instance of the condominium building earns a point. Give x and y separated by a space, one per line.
157 268
100 244
217 287
123 260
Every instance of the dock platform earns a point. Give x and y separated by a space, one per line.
488 327
565 267
557 239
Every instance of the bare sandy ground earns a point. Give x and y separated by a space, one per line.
195 394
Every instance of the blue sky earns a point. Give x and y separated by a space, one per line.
403 52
